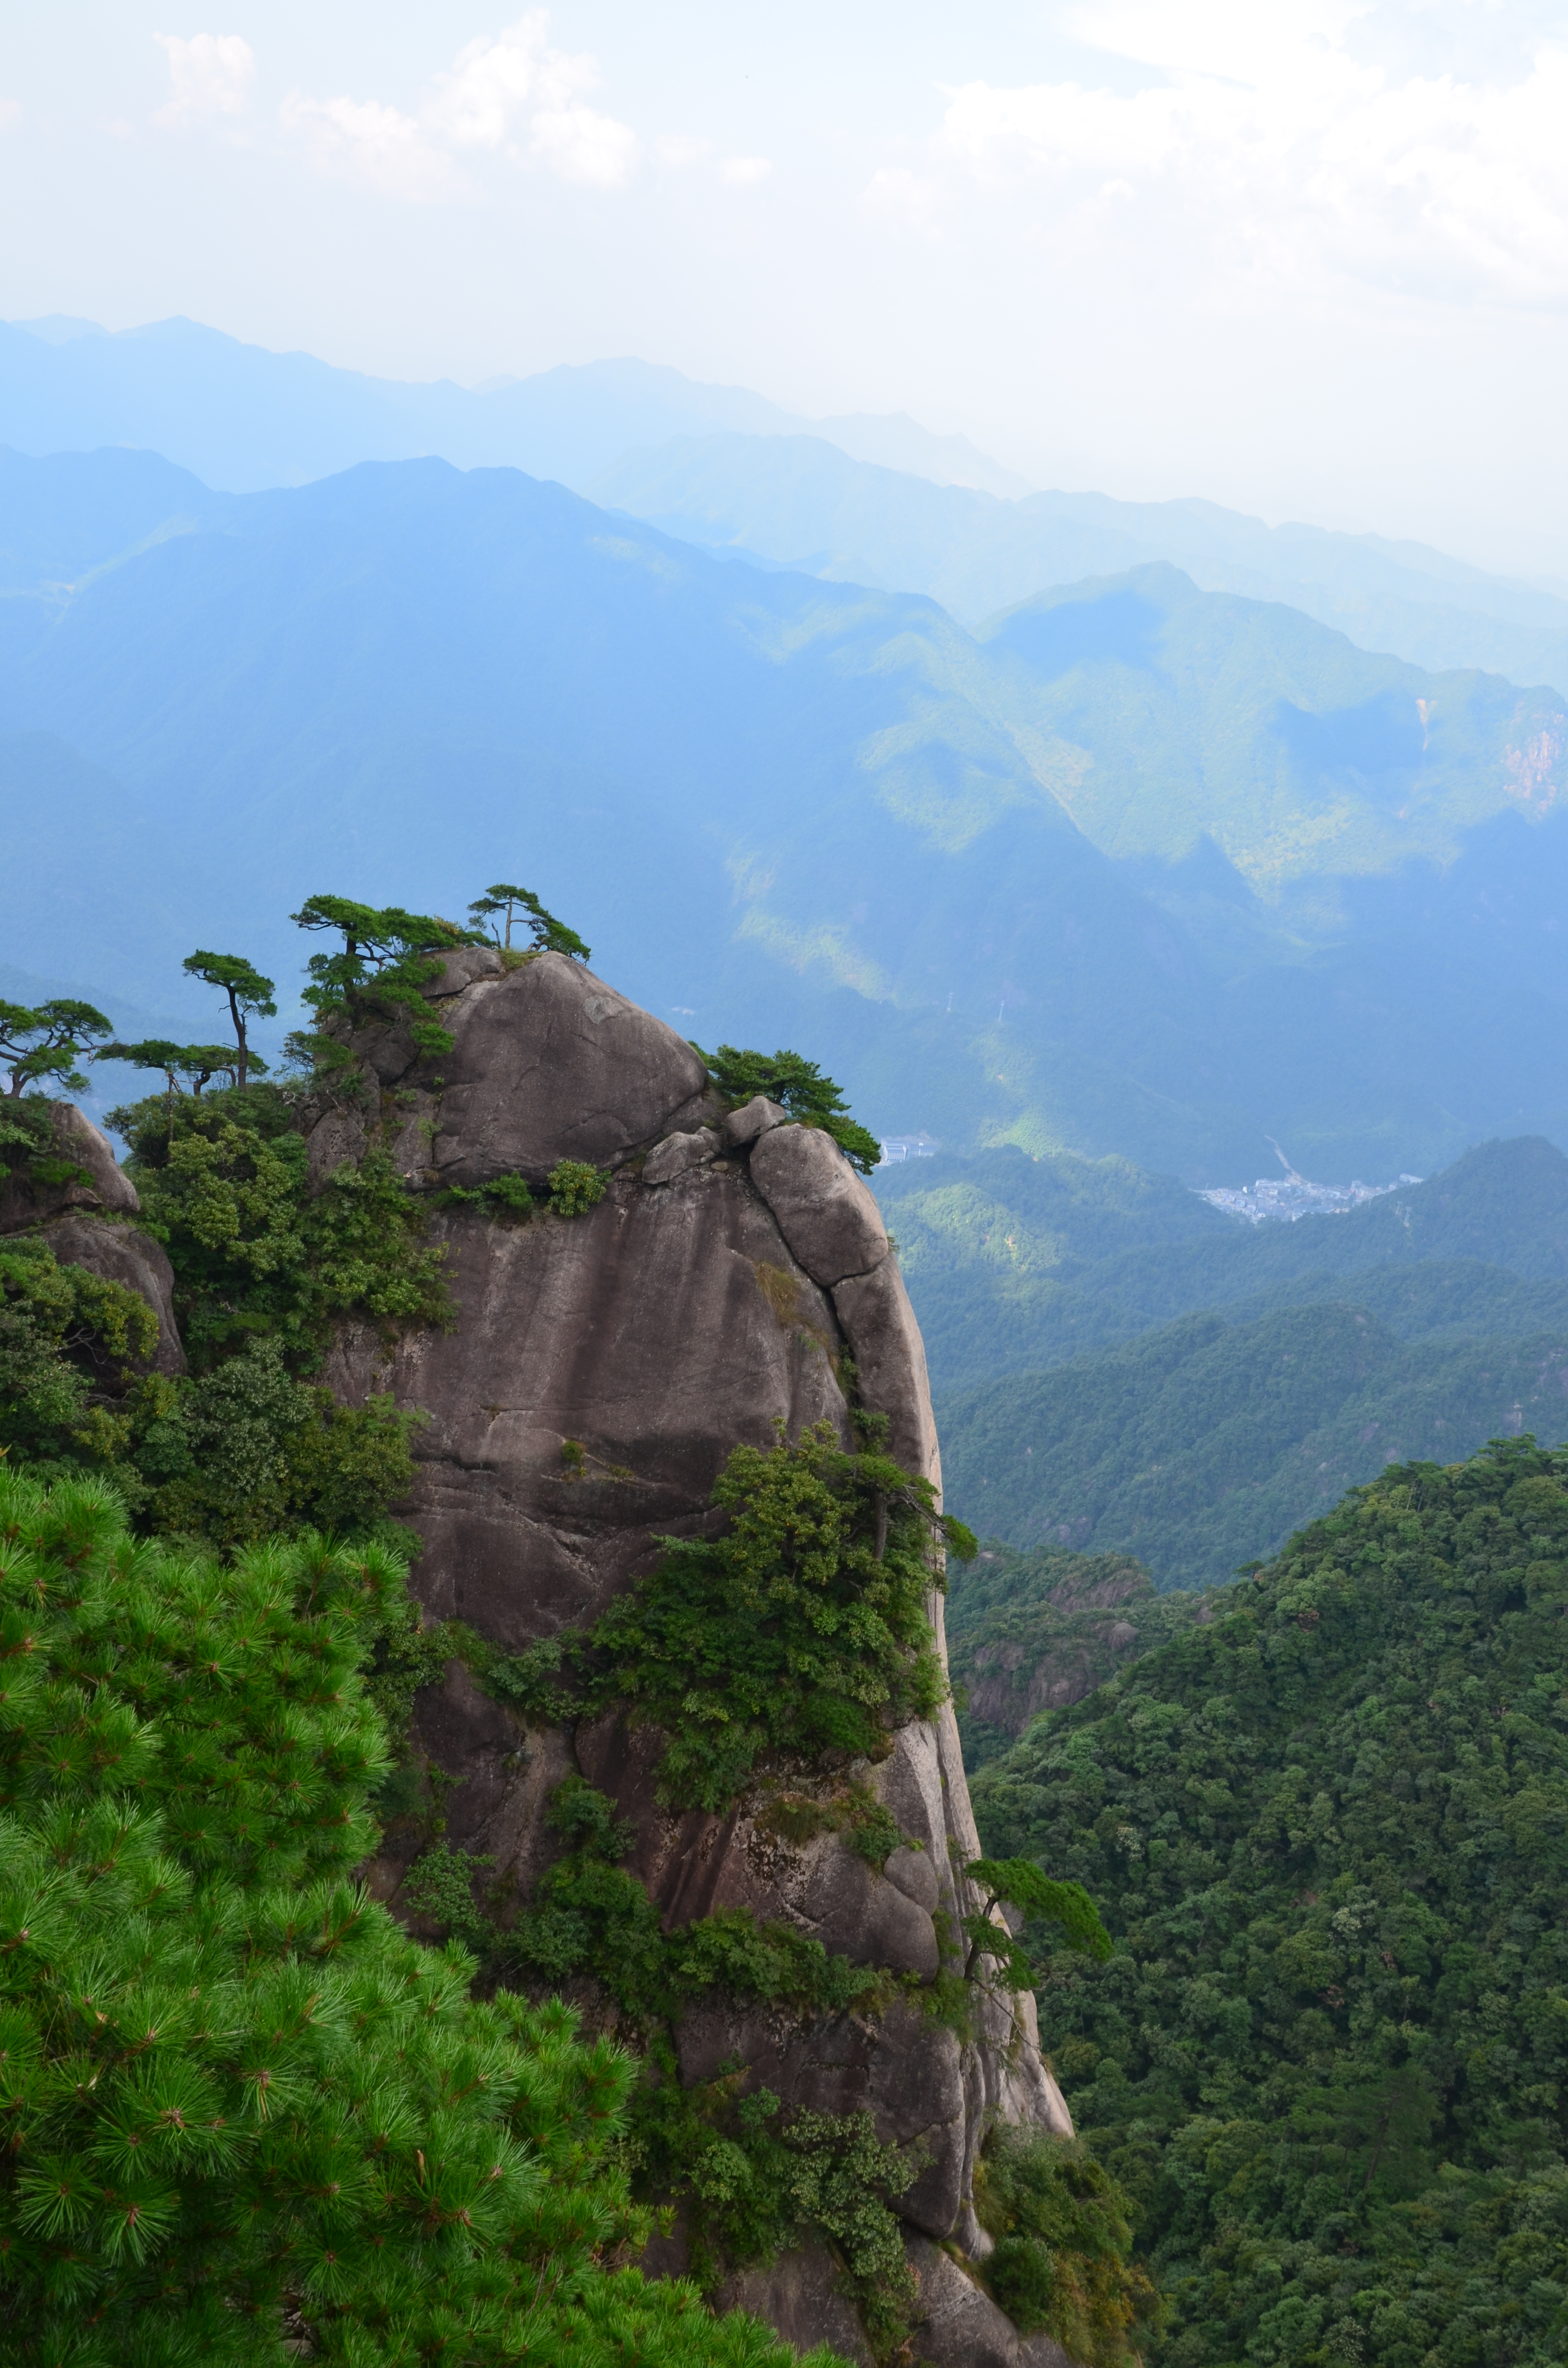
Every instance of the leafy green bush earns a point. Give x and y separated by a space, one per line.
752 2181
1062 2263
253 1250
576 1187
246 2114
57 1324
798 1085
1329 1836
801 1630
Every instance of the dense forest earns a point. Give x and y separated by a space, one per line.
1326 1831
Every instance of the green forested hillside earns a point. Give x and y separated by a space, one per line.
1203 1444
1329 2054
1015 1264
1030 1630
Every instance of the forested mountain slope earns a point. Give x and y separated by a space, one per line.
1015 1264
792 805
1200 1446
1327 1832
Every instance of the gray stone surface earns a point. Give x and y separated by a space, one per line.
824 1210
799 2293
335 1140
962 2327
890 1358
550 1063
913 1873
677 1152
459 970
639 1331
753 1119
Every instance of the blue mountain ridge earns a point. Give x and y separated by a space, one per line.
781 808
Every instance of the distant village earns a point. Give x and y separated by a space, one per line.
1280 1199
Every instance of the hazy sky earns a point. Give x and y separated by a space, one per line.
1305 256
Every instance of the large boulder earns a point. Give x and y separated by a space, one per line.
79 1215
550 1063
601 1370
824 1211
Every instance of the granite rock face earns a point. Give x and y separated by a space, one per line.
601 1371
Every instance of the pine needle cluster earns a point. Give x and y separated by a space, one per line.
248 2118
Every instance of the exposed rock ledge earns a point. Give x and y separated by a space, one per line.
710 1295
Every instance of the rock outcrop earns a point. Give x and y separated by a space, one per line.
602 1369
75 1199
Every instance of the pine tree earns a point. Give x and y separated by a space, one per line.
245 2116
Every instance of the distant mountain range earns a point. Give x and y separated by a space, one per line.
243 418
1141 870
797 500
872 500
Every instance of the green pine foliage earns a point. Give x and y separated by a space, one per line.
247 2116
1328 2057
798 1085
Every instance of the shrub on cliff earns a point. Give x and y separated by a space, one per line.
247 2117
801 1630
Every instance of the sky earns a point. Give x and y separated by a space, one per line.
1305 258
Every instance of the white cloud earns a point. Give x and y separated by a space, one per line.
896 190
376 146
496 79
10 113
676 149
208 74
503 91
741 171
578 144
1272 148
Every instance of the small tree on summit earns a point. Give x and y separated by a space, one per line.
387 959
549 936
47 1040
250 996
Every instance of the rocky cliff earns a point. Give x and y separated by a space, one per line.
734 1282
735 1276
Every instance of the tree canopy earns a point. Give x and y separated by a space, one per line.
798 1085
250 997
1328 1835
548 935
246 2115
42 1045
